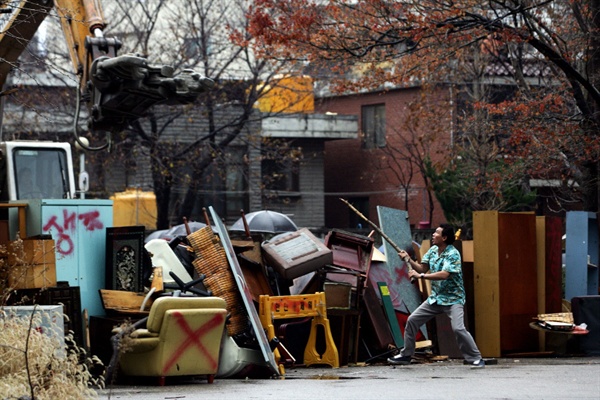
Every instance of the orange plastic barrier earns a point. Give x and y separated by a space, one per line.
301 306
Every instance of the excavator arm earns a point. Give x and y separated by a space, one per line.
117 89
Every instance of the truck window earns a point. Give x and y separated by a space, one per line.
41 173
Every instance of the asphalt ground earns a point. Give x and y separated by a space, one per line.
509 378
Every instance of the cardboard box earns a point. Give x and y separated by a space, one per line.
33 252
33 265
32 276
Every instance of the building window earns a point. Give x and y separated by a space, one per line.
224 185
373 125
281 175
236 190
194 49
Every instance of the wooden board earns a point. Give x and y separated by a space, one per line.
581 254
549 232
122 301
549 236
486 285
518 297
254 274
373 327
390 314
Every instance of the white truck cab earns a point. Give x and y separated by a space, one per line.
36 170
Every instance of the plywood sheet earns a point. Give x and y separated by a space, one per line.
505 282
394 223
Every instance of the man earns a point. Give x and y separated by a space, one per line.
447 296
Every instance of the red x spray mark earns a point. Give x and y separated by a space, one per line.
193 337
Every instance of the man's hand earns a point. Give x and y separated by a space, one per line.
413 275
404 256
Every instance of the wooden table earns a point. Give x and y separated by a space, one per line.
537 327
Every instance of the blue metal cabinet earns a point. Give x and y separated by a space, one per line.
581 254
78 227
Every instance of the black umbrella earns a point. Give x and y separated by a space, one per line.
265 221
175 231
156 235
180 230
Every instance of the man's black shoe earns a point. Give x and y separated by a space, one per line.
399 360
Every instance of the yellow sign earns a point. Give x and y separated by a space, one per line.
384 290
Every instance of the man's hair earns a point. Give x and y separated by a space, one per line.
448 231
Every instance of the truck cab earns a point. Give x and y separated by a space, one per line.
36 170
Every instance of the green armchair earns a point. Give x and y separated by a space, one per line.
182 337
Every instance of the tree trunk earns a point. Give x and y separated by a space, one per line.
162 181
162 207
594 65
591 194
189 200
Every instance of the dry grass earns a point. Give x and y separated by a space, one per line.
36 365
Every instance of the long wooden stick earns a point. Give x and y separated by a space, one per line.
188 231
374 225
246 227
206 216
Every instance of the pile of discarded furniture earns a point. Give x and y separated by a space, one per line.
253 304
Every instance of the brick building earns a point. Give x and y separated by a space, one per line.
354 167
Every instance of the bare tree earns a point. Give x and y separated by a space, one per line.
184 144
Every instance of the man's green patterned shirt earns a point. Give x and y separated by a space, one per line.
449 291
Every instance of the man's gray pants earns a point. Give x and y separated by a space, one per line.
455 312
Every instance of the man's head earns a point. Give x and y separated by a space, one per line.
447 233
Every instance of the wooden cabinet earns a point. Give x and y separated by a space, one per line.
505 282
549 250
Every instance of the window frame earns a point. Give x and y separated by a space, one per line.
373 125
290 176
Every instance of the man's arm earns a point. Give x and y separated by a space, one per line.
419 269
437 276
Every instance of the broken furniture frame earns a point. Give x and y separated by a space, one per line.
347 320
